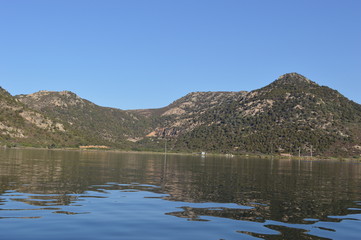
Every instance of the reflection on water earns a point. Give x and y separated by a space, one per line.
145 196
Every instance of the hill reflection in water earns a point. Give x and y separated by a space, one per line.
270 199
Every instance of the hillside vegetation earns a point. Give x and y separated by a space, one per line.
20 124
292 115
96 124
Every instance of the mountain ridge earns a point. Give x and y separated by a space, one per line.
290 115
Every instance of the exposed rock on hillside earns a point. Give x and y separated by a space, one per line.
43 99
185 114
18 123
96 124
292 115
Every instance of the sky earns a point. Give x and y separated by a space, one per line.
134 54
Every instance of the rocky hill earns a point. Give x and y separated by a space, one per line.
185 114
104 125
20 124
292 115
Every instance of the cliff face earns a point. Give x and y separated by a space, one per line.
291 115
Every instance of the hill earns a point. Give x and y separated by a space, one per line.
184 114
22 125
96 124
292 115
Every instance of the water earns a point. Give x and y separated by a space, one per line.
103 195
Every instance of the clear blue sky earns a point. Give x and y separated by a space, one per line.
147 53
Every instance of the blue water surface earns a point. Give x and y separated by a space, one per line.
104 195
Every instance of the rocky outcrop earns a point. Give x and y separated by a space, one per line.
289 115
18 123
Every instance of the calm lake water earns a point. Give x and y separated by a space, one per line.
48 194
